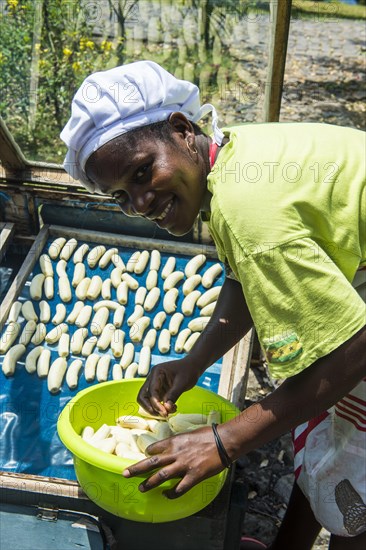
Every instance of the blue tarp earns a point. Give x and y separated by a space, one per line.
28 412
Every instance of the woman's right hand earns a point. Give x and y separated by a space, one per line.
165 383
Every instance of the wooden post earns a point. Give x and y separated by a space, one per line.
235 371
279 29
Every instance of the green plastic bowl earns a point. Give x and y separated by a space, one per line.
99 473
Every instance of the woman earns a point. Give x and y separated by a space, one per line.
285 205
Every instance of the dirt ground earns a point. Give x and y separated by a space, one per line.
268 473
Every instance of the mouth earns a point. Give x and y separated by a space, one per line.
162 213
165 212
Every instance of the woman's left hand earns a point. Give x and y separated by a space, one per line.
191 456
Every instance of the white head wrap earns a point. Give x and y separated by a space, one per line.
110 103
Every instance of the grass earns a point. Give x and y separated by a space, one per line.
331 10
310 9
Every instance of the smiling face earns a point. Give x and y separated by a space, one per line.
157 179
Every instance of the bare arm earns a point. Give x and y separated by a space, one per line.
299 398
230 321
193 456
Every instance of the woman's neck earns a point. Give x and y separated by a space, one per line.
203 144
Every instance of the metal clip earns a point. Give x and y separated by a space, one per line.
47 512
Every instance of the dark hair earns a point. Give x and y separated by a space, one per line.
162 131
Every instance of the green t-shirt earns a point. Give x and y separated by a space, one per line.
288 216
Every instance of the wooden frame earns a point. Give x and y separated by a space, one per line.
6 236
221 520
11 155
48 487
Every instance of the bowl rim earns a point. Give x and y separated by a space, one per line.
96 457
80 448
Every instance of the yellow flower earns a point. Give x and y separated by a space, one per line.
106 45
67 52
76 66
13 3
89 44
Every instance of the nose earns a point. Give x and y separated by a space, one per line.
141 202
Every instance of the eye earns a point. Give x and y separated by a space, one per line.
142 171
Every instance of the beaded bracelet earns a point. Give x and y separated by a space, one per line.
225 459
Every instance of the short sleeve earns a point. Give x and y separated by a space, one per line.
302 305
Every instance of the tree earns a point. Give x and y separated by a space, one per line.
47 49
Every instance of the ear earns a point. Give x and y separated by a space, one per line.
181 124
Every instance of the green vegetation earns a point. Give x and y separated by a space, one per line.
316 9
330 10
48 47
